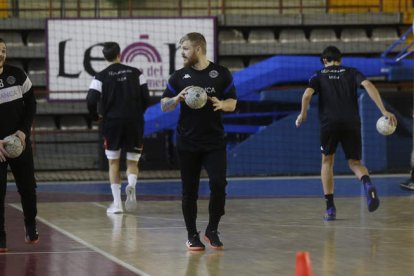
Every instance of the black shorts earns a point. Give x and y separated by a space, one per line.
348 136
121 134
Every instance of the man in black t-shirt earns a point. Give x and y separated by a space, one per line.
17 110
200 134
340 122
123 96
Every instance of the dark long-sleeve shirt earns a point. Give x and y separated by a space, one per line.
122 92
17 102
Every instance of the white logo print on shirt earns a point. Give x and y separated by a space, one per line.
186 76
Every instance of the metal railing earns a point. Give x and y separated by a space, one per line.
129 8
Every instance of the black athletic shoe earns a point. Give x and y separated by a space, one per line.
372 197
194 244
330 214
3 246
213 239
32 236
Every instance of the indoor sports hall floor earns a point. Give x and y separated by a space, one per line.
268 221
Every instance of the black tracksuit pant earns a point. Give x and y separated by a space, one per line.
22 168
215 164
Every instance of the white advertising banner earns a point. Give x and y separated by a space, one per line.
75 50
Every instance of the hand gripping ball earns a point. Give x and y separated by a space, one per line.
13 146
196 97
385 127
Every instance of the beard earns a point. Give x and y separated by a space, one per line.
190 61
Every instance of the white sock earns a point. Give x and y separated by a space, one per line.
132 180
116 193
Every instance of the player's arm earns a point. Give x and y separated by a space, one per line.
229 102
169 104
376 98
171 98
227 105
92 100
145 97
3 152
306 98
29 102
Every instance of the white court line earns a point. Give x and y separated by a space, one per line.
94 248
263 178
146 217
48 252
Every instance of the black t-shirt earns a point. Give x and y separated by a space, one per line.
338 100
201 129
17 102
123 93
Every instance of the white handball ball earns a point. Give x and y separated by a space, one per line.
385 127
13 146
196 97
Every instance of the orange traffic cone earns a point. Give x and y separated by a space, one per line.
303 264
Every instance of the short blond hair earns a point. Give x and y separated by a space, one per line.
196 39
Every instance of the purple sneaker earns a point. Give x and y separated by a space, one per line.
372 197
330 214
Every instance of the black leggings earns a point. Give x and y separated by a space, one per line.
215 163
22 168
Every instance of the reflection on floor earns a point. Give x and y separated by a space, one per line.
261 231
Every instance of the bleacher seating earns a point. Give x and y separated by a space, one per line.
384 34
13 39
261 36
46 122
231 36
36 70
36 38
233 64
292 36
323 35
255 60
73 122
354 35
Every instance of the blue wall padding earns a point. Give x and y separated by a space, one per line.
293 69
281 148
273 71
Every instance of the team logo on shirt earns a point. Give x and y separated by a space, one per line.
11 80
186 76
213 74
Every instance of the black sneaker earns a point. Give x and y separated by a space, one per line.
213 239
194 244
3 247
32 236
372 197
330 214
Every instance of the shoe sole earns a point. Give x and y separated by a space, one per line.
329 218
407 187
114 212
31 242
131 201
214 247
374 203
196 248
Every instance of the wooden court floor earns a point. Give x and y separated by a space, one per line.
261 236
